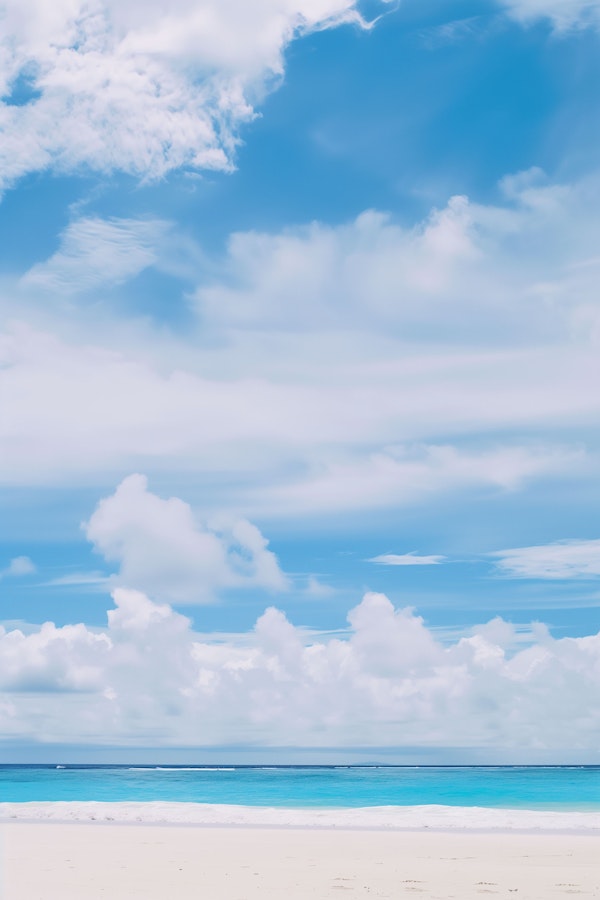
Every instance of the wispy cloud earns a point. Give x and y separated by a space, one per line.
94 252
407 559
80 579
560 560
402 476
456 30
564 14
317 589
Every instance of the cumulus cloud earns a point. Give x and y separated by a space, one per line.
407 559
163 549
141 88
564 14
148 677
53 659
559 560
18 567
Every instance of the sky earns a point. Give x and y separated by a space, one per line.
299 366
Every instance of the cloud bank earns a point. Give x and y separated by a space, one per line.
148 679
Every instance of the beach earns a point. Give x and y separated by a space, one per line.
86 860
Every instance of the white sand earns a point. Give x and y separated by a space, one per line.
46 860
157 862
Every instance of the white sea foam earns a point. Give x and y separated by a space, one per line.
404 818
181 769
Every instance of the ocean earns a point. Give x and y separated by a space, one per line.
557 788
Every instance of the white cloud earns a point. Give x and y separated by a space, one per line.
559 560
94 252
80 579
146 89
405 475
71 658
317 589
163 549
365 273
78 412
18 567
468 273
453 31
141 87
430 350
407 559
564 14
148 678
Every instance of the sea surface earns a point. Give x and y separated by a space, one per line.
559 788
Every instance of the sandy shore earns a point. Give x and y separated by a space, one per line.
50 861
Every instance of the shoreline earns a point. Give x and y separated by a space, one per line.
462 819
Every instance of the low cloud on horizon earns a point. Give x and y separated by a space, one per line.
147 677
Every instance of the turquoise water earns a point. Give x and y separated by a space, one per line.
553 788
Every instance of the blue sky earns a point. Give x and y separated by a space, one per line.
299 310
